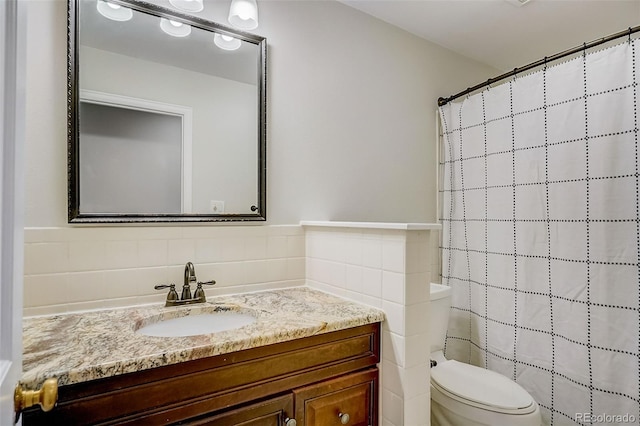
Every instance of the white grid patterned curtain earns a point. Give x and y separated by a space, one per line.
541 234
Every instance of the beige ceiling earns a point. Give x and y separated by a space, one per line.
500 34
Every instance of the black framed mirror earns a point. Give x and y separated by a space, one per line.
166 116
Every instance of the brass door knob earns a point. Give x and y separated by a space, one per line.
46 396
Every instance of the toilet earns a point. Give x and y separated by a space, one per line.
466 395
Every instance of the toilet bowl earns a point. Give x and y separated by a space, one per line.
466 395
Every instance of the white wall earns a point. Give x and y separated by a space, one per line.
352 114
351 118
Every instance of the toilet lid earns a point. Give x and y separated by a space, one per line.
480 386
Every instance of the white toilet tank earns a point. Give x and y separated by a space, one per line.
439 315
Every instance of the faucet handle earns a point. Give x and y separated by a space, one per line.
163 286
199 293
172 295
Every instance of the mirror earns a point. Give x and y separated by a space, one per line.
166 116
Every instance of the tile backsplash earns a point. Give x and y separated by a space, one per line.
78 268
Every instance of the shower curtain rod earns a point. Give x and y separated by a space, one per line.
585 46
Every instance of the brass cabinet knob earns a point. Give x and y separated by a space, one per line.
46 396
290 422
344 418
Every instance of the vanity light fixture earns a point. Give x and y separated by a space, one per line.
188 5
114 11
243 14
226 42
175 28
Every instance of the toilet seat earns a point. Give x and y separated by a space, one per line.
481 388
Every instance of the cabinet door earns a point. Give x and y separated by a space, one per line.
272 412
347 400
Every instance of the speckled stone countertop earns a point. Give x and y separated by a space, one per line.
84 346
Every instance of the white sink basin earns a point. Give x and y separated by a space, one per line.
196 324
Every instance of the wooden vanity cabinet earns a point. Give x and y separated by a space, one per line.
312 380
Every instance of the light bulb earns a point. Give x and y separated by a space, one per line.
226 42
188 5
243 14
175 28
113 11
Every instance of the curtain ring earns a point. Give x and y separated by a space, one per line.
545 62
629 34
488 84
515 73
584 49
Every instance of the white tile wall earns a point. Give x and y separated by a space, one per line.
390 269
69 269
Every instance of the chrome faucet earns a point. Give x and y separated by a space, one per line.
186 298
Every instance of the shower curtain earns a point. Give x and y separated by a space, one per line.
541 234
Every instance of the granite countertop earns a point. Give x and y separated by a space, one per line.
78 347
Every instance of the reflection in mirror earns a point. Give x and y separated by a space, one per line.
167 116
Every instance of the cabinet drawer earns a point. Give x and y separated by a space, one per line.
351 396
272 412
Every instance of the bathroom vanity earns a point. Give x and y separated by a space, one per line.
308 359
